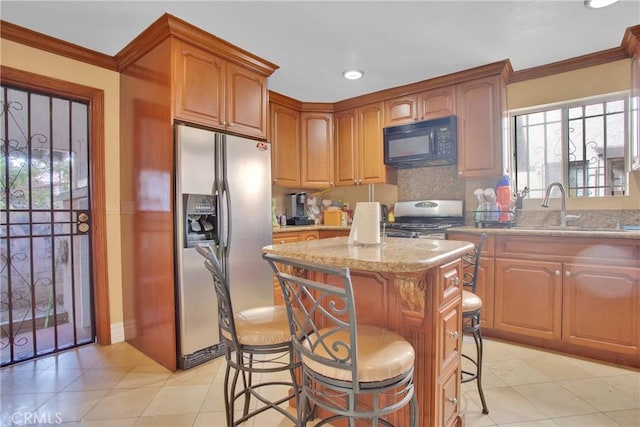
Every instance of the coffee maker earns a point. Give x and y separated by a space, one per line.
296 209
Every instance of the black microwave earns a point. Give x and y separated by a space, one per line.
420 144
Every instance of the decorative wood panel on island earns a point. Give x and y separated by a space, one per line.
412 287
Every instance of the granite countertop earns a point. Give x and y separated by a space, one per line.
551 230
289 228
393 255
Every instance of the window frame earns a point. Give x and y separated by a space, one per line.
565 106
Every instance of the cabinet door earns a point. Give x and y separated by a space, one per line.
448 346
448 403
400 110
326 234
199 86
317 150
346 148
528 297
485 280
246 102
485 291
285 146
479 111
601 307
436 103
635 113
371 168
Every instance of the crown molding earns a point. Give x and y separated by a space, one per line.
631 41
25 36
500 67
584 61
170 26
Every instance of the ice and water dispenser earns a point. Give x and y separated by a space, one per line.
200 220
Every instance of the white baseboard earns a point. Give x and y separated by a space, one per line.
117 332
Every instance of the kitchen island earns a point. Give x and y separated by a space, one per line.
412 287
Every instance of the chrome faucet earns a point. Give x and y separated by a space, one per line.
563 210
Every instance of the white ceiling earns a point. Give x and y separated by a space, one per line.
394 42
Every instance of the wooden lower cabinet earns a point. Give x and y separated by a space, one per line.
325 234
601 307
288 237
449 396
576 295
485 281
528 297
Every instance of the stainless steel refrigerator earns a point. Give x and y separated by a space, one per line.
223 197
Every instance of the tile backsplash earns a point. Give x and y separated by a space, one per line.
438 182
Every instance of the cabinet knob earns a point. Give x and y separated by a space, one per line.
452 400
454 334
557 272
223 123
456 281
231 124
281 241
567 273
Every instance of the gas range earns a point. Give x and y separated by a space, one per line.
425 218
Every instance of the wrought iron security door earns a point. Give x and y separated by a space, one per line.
45 225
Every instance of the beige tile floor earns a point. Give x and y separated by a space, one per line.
116 385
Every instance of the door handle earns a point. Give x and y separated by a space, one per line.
83 222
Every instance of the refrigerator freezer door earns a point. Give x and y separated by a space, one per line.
196 298
248 177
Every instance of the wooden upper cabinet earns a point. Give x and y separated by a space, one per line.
246 102
480 111
213 92
480 108
285 146
317 149
359 150
199 86
371 167
426 105
346 147
403 109
437 103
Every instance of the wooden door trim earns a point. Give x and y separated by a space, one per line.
95 98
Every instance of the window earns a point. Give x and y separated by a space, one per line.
581 145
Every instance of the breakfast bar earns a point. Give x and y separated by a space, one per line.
412 287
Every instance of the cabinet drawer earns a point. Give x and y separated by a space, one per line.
449 282
287 237
590 250
487 247
449 335
449 398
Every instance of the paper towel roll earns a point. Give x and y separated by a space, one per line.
365 228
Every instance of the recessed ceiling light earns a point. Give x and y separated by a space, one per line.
597 4
353 74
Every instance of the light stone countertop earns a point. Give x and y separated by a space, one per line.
556 231
394 255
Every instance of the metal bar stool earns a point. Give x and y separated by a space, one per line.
257 341
351 371
471 308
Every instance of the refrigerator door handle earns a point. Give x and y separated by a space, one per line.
227 196
218 191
